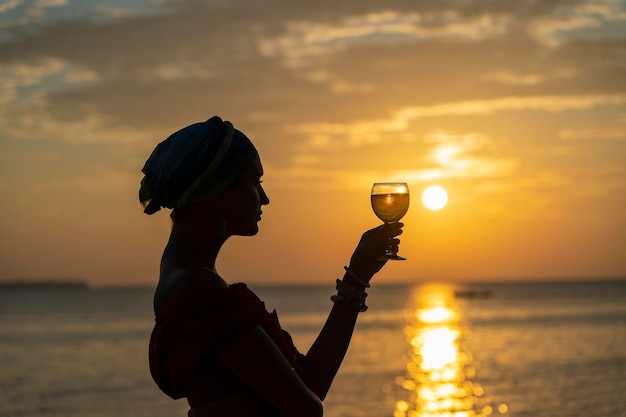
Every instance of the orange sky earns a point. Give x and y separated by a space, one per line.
517 108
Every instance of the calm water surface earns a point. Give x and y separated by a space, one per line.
522 350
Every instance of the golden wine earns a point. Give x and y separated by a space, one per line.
390 207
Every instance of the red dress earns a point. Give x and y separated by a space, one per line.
186 336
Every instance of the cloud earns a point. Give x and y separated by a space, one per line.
594 133
27 82
465 156
178 71
134 78
340 135
463 168
571 20
513 78
9 4
51 3
487 107
19 17
308 39
35 13
440 155
86 130
305 40
405 54
25 98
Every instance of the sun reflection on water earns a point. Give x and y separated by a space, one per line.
439 372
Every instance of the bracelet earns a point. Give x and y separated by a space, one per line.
352 297
356 277
345 288
354 304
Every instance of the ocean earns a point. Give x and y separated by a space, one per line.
542 349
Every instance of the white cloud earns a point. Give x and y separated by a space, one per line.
591 14
171 71
310 39
610 10
463 167
450 156
455 154
27 82
9 5
16 76
490 106
340 135
91 128
449 146
23 98
51 3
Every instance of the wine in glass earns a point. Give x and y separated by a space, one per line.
390 202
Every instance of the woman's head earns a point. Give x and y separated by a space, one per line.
235 211
195 163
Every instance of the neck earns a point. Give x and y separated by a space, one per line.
196 243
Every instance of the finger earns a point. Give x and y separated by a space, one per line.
393 231
375 231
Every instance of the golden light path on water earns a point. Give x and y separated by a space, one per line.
439 371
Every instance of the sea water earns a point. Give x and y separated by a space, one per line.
522 349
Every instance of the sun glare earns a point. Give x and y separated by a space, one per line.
440 373
435 197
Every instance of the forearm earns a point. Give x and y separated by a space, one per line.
329 349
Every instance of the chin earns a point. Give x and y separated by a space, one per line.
248 231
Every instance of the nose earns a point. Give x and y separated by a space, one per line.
263 196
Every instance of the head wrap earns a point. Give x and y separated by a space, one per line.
198 161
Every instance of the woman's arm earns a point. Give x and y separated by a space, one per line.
327 352
257 361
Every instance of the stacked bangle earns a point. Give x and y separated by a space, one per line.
356 277
352 297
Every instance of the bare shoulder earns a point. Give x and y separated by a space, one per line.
185 283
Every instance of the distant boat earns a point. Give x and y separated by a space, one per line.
472 293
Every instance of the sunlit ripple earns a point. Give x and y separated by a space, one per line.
439 372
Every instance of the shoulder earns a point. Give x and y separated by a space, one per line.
184 286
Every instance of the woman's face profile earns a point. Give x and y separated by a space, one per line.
243 201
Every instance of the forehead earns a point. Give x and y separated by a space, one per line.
256 168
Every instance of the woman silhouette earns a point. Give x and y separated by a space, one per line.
214 342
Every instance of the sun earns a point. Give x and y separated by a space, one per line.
435 197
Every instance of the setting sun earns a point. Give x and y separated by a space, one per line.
434 197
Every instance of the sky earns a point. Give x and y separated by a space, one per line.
516 107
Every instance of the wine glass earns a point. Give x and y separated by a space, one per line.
390 202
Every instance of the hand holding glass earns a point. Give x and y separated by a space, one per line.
390 202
